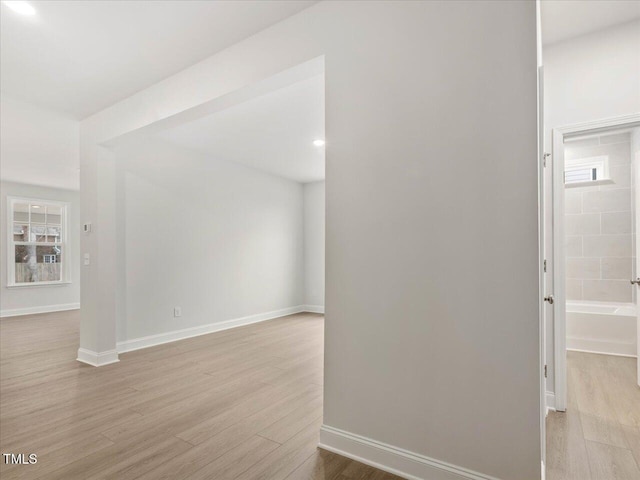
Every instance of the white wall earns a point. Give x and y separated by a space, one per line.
39 147
36 299
40 159
314 222
592 77
432 331
220 240
587 78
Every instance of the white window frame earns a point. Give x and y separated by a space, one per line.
600 164
11 243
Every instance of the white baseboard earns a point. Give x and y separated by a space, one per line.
313 308
159 339
97 359
43 309
550 398
392 459
604 347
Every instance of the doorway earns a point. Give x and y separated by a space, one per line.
596 169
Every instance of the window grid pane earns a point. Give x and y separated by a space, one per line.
38 263
20 232
43 222
580 175
21 212
37 237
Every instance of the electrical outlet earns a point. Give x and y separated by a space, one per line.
177 311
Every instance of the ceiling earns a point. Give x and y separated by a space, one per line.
564 19
68 59
273 132
79 57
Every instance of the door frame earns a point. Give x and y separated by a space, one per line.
559 258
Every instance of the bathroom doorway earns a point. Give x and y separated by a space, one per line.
596 169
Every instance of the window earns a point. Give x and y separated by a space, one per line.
37 236
586 170
50 259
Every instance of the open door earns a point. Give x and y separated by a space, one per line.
544 299
635 159
542 262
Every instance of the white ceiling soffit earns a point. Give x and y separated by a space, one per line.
273 132
564 19
80 57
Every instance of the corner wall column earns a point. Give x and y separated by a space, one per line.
98 255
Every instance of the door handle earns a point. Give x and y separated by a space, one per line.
636 281
549 298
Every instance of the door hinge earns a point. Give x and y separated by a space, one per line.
544 266
544 159
545 371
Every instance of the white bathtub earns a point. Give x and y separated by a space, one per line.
602 327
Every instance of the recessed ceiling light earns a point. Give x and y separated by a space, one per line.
35 206
23 8
318 143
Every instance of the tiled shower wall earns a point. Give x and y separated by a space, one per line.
599 225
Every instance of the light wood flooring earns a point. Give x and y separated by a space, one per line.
243 404
240 404
598 437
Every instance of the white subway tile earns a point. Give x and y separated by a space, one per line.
586 223
573 289
583 268
616 268
607 290
617 200
621 176
616 222
573 246
572 201
607 245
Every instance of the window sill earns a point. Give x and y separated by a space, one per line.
590 183
39 284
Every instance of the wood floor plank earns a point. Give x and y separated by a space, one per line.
597 437
259 411
612 463
189 409
356 470
320 465
53 458
280 463
187 412
567 457
627 401
632 435
359 471
224 440
285 428
56 437
237 460
593 394
602 430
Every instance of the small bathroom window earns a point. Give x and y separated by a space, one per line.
581 171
